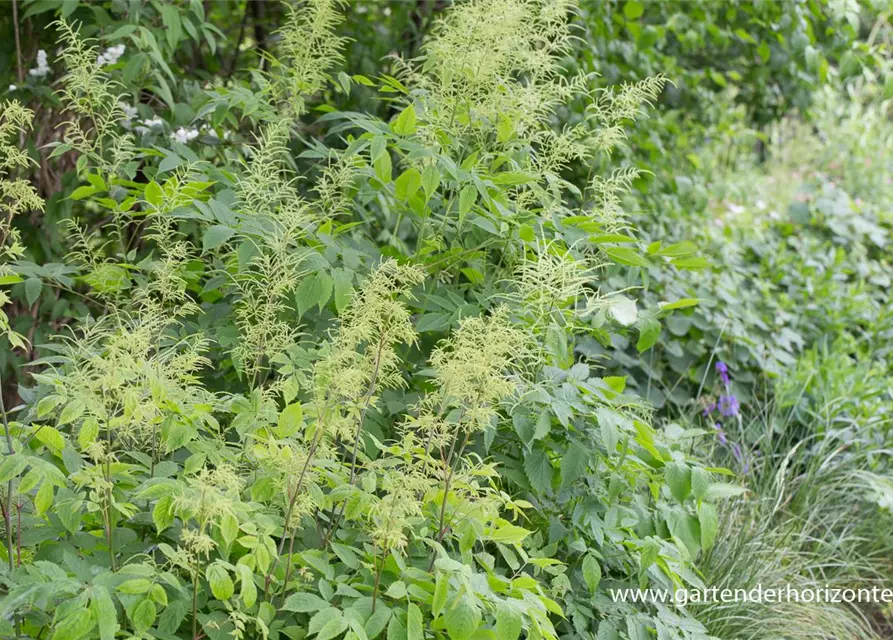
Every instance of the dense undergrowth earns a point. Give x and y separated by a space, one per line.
450 347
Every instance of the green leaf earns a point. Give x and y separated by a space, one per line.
405 123
104 612
43 500
462 619
229 528
709 522
33 287
290 420
74 626
47 404
153 194
407 184
83 192
678 477
414 624
508 622
309 293
700 482
719 490
72 411
221 584
649 332
343 286
12 466
633 9
135 586
508 534
682 303
543 425
626 256
383 167
538 470
144 615
248 590
161 513
51 438
764 52
304 603
467 198
216 236
441 590
592 572
333 629
430 180
573 463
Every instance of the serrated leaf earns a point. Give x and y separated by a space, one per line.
221 584
103 609
304 603
592 572
538 470
462 619
407 184
405 123
414 623
215 236
144 615
678 477
573 463
649 332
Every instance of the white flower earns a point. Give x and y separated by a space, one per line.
183 135
735 208
12 87
110 55
147 125
42 67
130 114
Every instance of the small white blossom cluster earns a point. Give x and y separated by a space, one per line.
130 114
42 67
147 125
110 55
183 135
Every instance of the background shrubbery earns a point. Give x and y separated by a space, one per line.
421 320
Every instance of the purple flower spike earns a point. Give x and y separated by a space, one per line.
729 406
721 436
723 370
736 451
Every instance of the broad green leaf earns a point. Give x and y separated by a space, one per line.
407 184
462 619
221 583
304 603
215 236
592 572
104 612
539 470
414 623
144 615
709 521
649 332
405 123
678 477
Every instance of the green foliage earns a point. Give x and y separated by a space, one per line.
324 343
